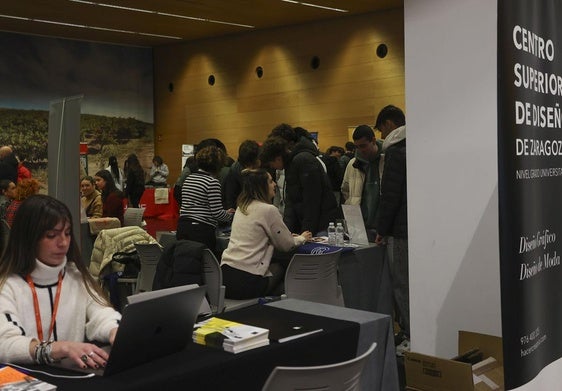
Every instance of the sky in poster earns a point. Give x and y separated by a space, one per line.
115 80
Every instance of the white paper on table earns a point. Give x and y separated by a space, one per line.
355 224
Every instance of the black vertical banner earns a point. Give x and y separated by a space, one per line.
530 185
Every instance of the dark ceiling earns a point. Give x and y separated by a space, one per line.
162 22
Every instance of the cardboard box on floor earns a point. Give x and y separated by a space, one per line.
429 373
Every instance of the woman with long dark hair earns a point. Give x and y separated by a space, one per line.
49 302
116 172
111 198
135 180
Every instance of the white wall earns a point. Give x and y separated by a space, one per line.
451 73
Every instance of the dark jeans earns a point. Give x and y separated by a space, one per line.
243 285
198 232
397 251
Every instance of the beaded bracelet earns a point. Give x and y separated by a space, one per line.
43 352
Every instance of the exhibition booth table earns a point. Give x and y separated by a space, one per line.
203 368
159 203
364 275
363 272
380 371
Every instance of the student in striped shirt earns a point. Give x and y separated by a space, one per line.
201 207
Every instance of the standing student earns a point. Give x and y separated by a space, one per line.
248 157
257 230
116 173
158 173
392 219
49 303
361 181
134 175
201 207
310 203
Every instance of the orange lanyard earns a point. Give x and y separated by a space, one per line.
36 307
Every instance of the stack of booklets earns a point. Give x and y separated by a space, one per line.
14 380
230 336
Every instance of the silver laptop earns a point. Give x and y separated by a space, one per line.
153 325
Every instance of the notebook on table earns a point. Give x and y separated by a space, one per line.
153 325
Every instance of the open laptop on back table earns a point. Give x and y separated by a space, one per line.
153 325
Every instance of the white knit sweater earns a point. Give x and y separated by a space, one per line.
79 316
254 237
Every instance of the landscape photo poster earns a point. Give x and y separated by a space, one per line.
117 115
530 191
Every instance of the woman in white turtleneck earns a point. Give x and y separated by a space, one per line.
49 303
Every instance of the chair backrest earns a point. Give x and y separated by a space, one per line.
133 217
212 275
344 376
166 237
314 277
149 255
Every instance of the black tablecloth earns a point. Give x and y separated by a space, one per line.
202 368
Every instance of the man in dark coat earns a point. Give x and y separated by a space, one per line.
392 220
310 204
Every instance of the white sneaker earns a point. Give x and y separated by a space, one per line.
403 347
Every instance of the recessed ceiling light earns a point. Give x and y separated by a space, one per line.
315 5
161 13
89 27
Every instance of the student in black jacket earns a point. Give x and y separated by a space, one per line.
310 204
392 219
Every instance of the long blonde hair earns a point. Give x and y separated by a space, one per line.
255 187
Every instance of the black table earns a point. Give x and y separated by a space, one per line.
202 368
364 275
380 372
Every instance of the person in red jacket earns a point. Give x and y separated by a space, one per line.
24 189
23 171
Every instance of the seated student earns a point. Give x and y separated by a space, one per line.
91 198
112 198
49 303
257 229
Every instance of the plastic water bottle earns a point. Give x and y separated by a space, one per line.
331 234
339 235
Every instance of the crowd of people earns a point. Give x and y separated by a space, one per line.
106 193
16 184
278 194
284 190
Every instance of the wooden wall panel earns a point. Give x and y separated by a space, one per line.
348 89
